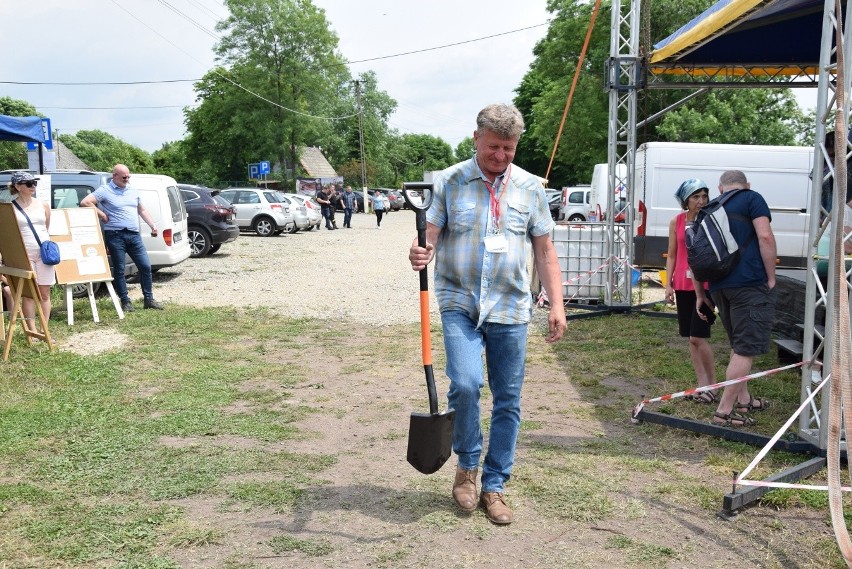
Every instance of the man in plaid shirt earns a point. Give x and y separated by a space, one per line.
486 218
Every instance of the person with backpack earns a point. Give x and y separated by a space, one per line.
692 195
745 296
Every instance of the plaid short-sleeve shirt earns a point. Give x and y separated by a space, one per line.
489 287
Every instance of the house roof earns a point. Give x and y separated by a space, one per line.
314 163
67 160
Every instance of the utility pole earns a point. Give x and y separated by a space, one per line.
361 140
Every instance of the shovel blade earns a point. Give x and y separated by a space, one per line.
430 440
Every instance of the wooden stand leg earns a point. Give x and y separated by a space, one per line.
90 290
13 317
115 300
69 303
44 335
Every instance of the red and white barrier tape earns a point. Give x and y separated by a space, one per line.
542 297
725 383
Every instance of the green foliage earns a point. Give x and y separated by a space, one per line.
464 150
101 151
172 160
13 155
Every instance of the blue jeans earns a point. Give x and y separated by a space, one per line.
505 347
130 242
347 217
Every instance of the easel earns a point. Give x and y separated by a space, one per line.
84 258
21 280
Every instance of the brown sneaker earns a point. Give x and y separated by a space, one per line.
495 508
464 489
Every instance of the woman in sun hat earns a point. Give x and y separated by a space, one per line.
22 186
692 195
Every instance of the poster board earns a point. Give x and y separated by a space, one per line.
77 232
12 249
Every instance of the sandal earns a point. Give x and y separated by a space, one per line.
706 397
762 404
732 420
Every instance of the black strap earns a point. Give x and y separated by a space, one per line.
725 197
35 234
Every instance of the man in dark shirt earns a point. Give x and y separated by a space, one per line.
323 198
745 297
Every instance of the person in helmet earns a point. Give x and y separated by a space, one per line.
692 195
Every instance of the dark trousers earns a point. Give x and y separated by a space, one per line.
379 213
327 215
128 242
347 217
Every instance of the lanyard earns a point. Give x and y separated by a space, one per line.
495 199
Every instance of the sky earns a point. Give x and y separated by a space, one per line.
438 92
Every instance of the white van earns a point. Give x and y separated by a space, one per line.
781 174
161 197
600 192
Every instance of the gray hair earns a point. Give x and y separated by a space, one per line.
733 178
505 121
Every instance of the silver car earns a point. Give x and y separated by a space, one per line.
260 210
299 212
313 208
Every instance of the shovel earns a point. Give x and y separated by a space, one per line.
430 436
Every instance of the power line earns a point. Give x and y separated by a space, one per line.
451 44
113 108
95 83
190 20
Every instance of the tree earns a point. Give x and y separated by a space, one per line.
275 90
465 149
102 151
13 155
171 159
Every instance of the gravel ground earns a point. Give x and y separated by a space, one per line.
359 274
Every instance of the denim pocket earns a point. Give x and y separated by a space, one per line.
463 216
518 217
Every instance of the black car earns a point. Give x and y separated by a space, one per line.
210 219
359 201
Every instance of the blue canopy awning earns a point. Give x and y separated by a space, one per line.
21 129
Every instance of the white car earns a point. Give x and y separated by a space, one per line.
299 212
312 208
260 210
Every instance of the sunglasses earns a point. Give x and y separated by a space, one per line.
30 184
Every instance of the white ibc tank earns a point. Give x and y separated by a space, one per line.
581 250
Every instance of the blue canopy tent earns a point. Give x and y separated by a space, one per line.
24 129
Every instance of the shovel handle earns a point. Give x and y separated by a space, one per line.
425 324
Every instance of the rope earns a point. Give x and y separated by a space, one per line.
841 389
574 84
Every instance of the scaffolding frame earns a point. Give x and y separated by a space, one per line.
627 72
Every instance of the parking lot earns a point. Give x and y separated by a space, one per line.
360 273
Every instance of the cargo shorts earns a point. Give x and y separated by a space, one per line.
747 314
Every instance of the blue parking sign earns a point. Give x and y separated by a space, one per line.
48 136
254 171
264 167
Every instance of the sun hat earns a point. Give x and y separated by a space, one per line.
689 187
21 177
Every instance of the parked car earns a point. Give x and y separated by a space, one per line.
395 197
311 207
299 212
211 221
575 203
259 210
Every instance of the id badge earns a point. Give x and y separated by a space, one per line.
496 243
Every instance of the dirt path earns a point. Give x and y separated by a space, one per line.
371 509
